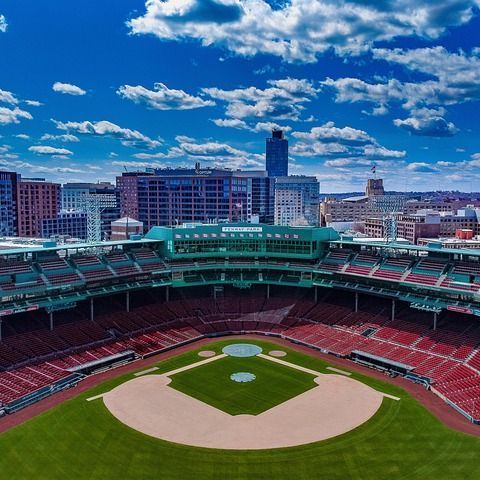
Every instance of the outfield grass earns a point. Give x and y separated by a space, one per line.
82 440
273 385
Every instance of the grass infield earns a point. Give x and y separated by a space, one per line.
273 385
82 440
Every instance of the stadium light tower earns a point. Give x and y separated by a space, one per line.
388 206
94 205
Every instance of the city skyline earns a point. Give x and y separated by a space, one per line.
86 92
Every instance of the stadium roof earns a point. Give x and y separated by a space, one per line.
234 230
75 246
432 247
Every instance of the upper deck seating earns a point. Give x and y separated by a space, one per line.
365 259
421 279
148 260
95 274
54 263
453 281
358 270
11 267
397 263
467 268
85 261
388 274
429 266
338 256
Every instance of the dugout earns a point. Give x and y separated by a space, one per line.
381 362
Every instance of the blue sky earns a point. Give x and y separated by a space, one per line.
90 88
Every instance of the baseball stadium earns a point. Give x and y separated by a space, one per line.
240 351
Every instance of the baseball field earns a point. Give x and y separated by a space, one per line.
123 428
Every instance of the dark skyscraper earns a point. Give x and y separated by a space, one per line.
277 155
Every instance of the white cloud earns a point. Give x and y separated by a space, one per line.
454 80
3 24
455 68
284 99
14 115
68 89
127 136
162 97
23 136
256 127
330 133
33 103
31 167
231 123
149 156
133 164
8 97
60 138
347 162
269 126
433 126
291 30
211 152
421 167
47 150
331 141
377 151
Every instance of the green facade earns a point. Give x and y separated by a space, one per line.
243 240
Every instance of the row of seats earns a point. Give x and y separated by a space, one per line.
449 357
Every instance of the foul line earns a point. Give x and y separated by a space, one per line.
288 364
261 355
95 397
196 364
337 370
172 372
143 372
314 372
390 396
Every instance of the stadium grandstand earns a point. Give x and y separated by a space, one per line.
72 310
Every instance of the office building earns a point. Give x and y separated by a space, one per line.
37 200
73 194
173 196
73 200
261 194
276 155
357 209
8 203
296 200
428 224
65 224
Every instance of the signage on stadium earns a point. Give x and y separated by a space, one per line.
242 229
456 308
11 311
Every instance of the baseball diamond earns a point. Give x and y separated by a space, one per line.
273 352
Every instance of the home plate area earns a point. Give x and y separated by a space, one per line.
269 403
